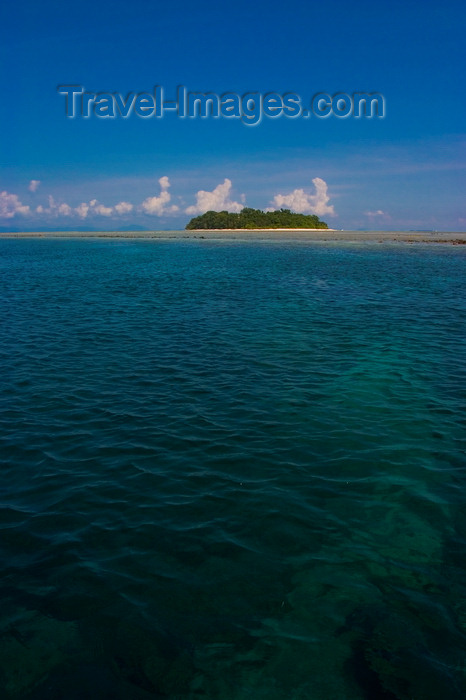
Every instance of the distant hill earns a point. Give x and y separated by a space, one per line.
255 218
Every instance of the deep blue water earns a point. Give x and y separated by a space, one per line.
232 470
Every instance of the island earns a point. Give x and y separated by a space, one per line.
249 218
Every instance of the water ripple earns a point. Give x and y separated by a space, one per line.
232 471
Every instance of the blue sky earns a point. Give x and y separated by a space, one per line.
405 171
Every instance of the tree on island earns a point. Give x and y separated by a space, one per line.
255 218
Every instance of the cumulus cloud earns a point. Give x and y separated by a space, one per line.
98 208
53 208
123 208
65 209
217 200
10 205
304 203
158 205
86 209
93 207
82 210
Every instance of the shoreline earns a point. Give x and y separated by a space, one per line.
310 235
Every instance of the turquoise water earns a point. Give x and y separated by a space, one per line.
232 470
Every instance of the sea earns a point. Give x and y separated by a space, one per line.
232 469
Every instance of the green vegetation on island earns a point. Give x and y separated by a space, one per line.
255 218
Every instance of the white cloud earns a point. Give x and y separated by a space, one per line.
303 203
51 209
217 200
93 207
158 206
378 214
101 209
54 209
65 209
86 209
82 210
10 205
123 208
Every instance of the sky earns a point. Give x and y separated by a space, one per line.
406 170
